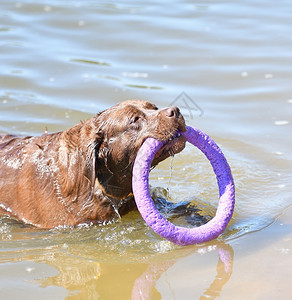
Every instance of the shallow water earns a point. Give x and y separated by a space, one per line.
228 67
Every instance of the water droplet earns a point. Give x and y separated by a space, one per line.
281 122
29 270
284 250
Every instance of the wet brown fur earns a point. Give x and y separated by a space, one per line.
84 174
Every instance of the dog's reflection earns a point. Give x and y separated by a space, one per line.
86 278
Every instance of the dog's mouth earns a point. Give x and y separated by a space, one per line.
171 147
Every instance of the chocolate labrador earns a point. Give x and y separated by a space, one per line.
84 174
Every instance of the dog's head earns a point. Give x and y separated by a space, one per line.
117 134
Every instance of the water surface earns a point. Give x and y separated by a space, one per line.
227 65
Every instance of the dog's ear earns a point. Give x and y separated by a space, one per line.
91 157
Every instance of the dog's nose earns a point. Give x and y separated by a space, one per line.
171 112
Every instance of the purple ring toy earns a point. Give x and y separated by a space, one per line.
177 234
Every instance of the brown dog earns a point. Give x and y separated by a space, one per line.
84 174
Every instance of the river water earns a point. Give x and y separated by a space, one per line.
227 65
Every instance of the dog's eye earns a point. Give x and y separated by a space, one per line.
135 120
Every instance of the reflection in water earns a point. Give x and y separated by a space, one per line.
144 285
126 256
88 278
73 273
224 272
